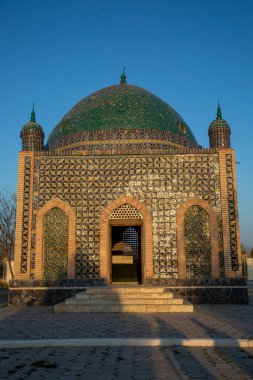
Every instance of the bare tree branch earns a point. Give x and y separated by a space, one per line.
7 225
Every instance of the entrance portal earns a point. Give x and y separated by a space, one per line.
127 215
126 254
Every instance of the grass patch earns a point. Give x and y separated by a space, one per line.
44 364
119 358
19 366
4 358
31 370
12 371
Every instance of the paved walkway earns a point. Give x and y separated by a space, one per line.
127 362
3 296
207 321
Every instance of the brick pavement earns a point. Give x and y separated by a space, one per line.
3 296
109 363
207 321
121 363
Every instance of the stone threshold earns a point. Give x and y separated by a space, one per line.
205 286
50 287
130 342
146 286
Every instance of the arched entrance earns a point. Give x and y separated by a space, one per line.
126 254
126 245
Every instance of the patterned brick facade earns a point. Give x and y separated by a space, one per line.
160 180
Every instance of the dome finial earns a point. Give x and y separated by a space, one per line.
33 115
219 114
123 77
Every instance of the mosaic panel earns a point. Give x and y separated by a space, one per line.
26 203
126 212
231 211
89 184
56 232
197 243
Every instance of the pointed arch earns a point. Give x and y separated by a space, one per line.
215 272
105 236
64 206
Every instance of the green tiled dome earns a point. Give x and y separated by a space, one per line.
217 123
121 107
31 126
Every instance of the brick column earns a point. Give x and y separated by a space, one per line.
18 272
226 208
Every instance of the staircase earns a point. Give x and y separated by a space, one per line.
124 299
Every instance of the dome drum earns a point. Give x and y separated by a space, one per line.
121 139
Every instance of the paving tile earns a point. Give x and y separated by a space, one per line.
215 321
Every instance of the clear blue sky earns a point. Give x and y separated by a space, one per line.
187 52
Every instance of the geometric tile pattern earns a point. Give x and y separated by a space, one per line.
231 211
161 182
55 242
25 224
32 262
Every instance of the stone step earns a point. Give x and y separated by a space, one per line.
116 296
124 289
64 308
125 301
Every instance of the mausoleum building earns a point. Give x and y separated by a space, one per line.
122 193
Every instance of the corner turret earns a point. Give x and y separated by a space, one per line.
219 132
32 135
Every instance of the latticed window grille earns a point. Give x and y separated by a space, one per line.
197 243
126 211
131 237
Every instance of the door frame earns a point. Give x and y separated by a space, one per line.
147 237
126 223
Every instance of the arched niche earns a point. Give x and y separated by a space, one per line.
181 213
71 245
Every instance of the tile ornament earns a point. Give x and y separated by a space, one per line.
24 253
90 183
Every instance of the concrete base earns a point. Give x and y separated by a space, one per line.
46 292
127 342
210 291
51 292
